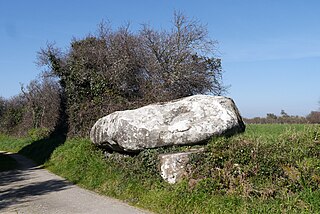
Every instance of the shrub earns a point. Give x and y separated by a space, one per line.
118 70
314 117
38 134
37 107
249 166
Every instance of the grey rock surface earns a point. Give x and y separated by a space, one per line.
187 121
173 166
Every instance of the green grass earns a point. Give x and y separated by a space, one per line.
7 162
39 150
267 131
13 144
268 169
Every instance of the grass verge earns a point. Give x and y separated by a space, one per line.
268 169
13 144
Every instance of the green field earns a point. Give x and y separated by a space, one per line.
267 169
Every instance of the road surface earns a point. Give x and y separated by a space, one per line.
30 189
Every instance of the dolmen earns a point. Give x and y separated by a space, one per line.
187 121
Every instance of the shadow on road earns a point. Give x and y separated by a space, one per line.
26 182
8 177
16 174
41 150
7 162
25 193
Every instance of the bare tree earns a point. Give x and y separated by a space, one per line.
2 106
12 112
178 61
43 103
314 117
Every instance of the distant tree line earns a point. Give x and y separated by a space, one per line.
114 70
36 109
313 118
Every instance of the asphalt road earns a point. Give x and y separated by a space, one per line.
30 189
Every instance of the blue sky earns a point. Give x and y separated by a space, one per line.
270 49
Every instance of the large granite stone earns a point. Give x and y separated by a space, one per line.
187 121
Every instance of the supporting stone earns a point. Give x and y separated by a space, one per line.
173 166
